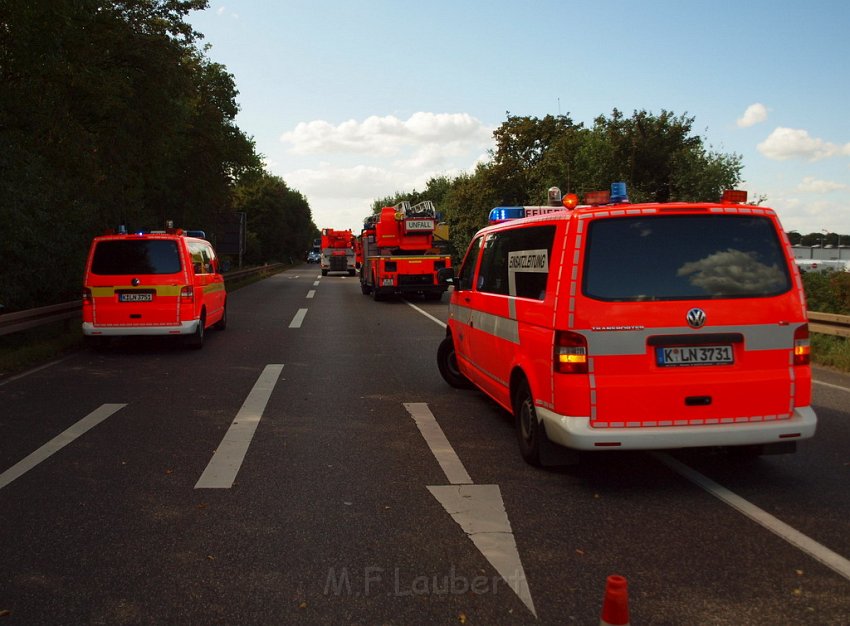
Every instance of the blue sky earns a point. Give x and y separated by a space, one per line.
352 101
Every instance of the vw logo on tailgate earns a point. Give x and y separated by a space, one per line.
696 318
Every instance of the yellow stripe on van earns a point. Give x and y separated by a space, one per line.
161 290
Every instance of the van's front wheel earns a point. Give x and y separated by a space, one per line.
447 364
529 430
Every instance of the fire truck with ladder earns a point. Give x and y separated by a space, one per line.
337 251
399 255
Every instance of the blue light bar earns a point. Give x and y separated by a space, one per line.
618 193
503 213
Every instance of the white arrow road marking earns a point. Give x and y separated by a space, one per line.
225 463
58 442
478 509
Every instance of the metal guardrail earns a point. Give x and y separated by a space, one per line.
32 318
829 324
824 323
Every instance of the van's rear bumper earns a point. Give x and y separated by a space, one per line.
183 328
576 433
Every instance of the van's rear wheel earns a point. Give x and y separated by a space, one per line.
196 339
447 364
529 430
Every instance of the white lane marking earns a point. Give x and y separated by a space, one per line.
315 283
33 370
58 442
225 463
478 509
311 293
831 386
834 561
439 444
425 313
298 319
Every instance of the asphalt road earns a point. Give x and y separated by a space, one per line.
310 465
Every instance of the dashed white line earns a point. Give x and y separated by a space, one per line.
298 319
58 442
311 293
225 463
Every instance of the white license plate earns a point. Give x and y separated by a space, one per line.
694 355
135 297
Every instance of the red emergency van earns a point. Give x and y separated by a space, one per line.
617 326
157 283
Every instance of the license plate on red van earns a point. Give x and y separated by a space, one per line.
135 297
676 356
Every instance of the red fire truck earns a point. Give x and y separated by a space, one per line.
399 255
337 251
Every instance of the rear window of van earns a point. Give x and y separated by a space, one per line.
142 256
684 257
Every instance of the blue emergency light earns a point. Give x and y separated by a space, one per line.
504 213
618 193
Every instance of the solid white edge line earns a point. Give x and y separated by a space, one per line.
425 313
58 442
227 460
438 443
834 561
831 386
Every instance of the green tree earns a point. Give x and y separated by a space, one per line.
280 223
109 114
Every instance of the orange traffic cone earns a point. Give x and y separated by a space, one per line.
615 607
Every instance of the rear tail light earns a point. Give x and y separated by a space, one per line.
187 294
87 297
570 353
802 349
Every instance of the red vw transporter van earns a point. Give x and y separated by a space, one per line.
617 326
157 283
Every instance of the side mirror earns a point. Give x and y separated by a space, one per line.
446 276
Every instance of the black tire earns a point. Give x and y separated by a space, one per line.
196 339
222 323
324 272
529 431
447 364
377 296
365 289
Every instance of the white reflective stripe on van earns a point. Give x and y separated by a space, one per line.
496 325
621 341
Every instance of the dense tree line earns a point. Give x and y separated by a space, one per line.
658 156
111 113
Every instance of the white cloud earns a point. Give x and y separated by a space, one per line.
755 114
342 168
788 143
387 135
810 184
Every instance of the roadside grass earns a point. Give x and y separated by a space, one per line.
36 346
831 351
